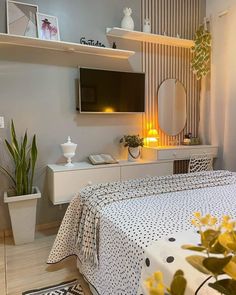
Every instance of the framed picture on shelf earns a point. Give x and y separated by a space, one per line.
48 28
21 19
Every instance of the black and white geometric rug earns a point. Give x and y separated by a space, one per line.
66 288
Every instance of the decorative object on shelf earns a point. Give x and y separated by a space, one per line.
21 19
147 26
68 149
201 53
134 144
152 137
22 198
127 22
190 140
114 45
48 28
178 35
91 42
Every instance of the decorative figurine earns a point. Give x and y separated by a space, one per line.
68 150
147 26
127 22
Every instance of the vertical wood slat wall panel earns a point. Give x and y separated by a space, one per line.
161 62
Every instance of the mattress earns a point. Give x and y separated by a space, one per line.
129 226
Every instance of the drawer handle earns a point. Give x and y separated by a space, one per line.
90 182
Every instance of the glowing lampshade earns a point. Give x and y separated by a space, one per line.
152 137
153 133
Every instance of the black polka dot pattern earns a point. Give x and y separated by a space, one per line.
171 240
147 261
126 228
170 259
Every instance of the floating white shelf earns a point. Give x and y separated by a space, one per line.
147 37
16 42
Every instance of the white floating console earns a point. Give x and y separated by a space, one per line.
180 152
147 37
65 182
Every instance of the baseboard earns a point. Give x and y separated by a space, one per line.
39 227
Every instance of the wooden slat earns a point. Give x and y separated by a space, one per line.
161 62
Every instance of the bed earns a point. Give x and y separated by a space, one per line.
151 209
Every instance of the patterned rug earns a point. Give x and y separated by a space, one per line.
66 288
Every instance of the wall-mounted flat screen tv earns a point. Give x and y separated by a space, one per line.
103 91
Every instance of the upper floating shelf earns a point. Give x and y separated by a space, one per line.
147 37
62 47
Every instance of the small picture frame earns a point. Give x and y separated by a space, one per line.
48 28
21 19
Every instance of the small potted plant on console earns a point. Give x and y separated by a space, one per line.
134 144
22 196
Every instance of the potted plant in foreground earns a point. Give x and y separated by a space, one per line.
22 197
134 144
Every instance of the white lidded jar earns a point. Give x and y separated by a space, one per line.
68 150
127 22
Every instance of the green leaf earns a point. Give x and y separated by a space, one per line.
197 262
193 248
8 174
230 268
215 265
178 285
217 248
209 237
15 144
34 154
226 286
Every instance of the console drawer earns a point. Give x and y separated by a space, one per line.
65 184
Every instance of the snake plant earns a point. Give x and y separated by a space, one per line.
24 157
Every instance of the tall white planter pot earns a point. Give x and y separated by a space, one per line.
134 153
22 211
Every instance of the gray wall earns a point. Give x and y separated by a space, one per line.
42 97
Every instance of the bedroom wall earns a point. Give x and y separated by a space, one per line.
42 97
161 62
222 99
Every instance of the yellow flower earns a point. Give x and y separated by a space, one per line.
197 214
195 223
226 218
228 226
155 284
213 221
158 276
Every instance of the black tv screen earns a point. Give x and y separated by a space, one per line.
103 91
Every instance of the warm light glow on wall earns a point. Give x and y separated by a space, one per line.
152 137
109 110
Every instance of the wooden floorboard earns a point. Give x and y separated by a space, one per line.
2 267
26 267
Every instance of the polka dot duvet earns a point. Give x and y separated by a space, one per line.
109 226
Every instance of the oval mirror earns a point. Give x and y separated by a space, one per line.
172 107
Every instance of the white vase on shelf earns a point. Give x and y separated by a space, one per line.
68 150
127 22
147 26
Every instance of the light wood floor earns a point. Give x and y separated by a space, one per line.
23 267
